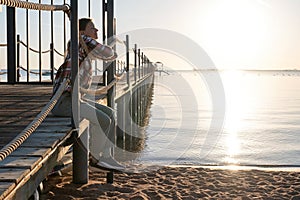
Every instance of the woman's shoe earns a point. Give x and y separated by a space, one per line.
110 163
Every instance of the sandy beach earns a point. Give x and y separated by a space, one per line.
178 183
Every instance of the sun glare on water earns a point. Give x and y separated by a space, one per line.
238 106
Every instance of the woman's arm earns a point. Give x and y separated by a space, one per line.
105 52
99 50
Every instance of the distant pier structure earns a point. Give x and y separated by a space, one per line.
159 67
33 141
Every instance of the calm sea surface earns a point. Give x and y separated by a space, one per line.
261 119
255 122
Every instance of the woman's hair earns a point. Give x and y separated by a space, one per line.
83 23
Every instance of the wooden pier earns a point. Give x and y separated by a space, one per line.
22 172
25 163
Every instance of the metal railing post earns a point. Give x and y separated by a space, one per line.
52 61
40 44
139 63
80 152
11 44
27 48
110 34
127 59
142 67
135 61
18 58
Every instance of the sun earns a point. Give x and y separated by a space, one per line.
235 32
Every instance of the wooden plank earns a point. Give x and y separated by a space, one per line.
12 175
6 99
37 175
5 137
19 162
7 131
13 120
20 113
56 129
58 119
56 123
21 100
40 143
11 129
20 109
17 127
43 135
5 187
29 151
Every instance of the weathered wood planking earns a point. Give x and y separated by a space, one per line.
5 187
19 104
12 175
23 170
19 162
30 151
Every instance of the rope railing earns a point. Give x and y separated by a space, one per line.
60 54
37 51
3 45
31 72
19 139
33 50
34 6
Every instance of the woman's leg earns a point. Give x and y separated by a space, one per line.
101 127
63 106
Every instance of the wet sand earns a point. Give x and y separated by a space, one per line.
178 183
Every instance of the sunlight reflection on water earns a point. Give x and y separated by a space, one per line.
261 125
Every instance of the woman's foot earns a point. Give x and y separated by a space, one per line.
110 163
106 162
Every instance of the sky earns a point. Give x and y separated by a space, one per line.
235 34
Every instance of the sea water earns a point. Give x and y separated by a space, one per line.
259 125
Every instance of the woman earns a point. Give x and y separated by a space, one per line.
101 117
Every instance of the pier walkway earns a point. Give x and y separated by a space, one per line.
32 140
22 171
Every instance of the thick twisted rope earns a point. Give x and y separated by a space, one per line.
19 139
34 6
